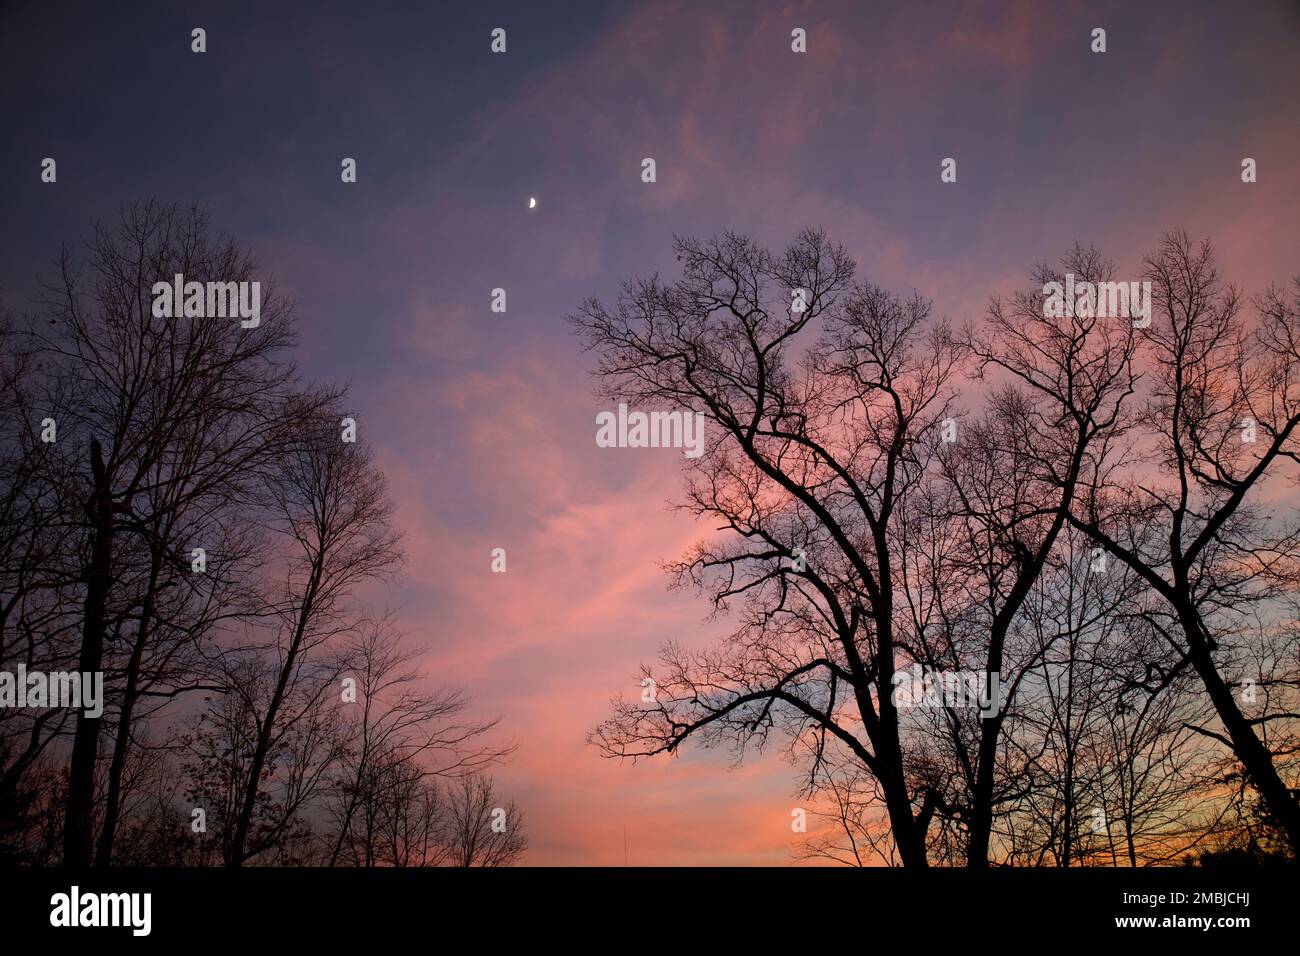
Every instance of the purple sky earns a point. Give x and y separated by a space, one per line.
485 423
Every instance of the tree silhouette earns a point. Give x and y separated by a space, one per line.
1184 507
810 457
860 536
180 513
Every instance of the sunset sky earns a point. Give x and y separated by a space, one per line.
484 423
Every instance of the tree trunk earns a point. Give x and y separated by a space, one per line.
1247 747
981 813
240 841
77 826
122 743
909 837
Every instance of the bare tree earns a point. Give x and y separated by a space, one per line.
806 466
220 763
856 542
1110 773
398 738
38 625
200 524
483 830
406 820
329 507
1185 508
1013 479
177 415
855 830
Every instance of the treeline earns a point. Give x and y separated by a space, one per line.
1097 508
180 512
